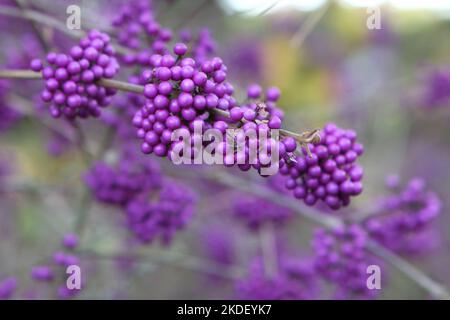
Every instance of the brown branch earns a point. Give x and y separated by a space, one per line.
303 139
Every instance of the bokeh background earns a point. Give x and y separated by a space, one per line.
390 85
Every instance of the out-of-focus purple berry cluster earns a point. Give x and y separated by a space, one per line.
256 212
403 219
7 287
437 88
160 214
54 272
202 45
295 279
342 259
154 206
138 30
118 186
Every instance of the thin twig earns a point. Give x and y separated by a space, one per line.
84 206
50 21
24 106
435 289
23 5
308 26
269 250
277 198
303 138
175 259
266 10
85 203
194 13
41 18
82 143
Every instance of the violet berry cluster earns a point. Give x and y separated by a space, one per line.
294 279
154 207
218 244
202 45
403 219
160 214
70 79
54 272
437 88
181 94
257 145
330 174
341 258
256 212
8 287
120 184
136 26
270 97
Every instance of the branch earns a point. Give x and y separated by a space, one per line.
269 250
435 289
193 14
175 259
50 21
23 6
417 276
306 28
303 139
37 16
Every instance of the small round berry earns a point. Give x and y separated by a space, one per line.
150 91
180 49
273 94
187 85
275 123
254 91
163 73
36 65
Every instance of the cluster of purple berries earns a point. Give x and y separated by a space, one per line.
134 20
55 270
160 214
257 146
437 88
330 174
403 218
341 259
245 56
180 95
118 186
256 212
294 280
8 287
270 97
218 244
70 80
153 206
202 46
